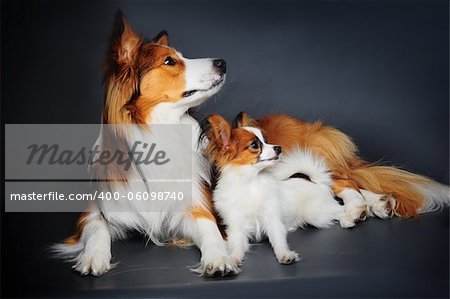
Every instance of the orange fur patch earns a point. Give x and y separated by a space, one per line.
339 185
241 140
72 240
202 212
207 210
181 243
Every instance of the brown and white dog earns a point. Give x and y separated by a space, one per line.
258 195
365 188
148 82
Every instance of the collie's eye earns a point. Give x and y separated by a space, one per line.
254 145
170 61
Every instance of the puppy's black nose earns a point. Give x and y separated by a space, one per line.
220 65
277 149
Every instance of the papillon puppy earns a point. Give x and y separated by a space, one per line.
246 195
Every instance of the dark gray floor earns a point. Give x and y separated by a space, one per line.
379 258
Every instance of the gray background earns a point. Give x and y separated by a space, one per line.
377 70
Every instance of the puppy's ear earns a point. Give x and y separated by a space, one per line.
243 120
162 38
217 130
124 42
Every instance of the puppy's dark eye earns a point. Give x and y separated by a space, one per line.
254 145
170 61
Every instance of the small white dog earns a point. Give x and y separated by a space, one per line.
250 195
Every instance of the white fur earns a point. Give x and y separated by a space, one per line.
256 200
307 202
248 202
92 254
379 205
355 207
303 161
108 221
437 196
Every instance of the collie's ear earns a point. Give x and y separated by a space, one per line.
124 43
217 130
162 38
121 73
243 120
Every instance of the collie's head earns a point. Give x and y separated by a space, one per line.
143 74
240 145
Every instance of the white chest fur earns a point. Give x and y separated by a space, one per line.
247 199
248 202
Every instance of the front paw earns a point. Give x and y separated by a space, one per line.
288 257
237 258
216 265
353 214
380 205
94 262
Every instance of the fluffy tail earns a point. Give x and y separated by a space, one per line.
415 194
302 163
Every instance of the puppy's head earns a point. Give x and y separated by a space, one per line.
141 74
237 146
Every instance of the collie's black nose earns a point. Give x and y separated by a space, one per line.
277 149
220 65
